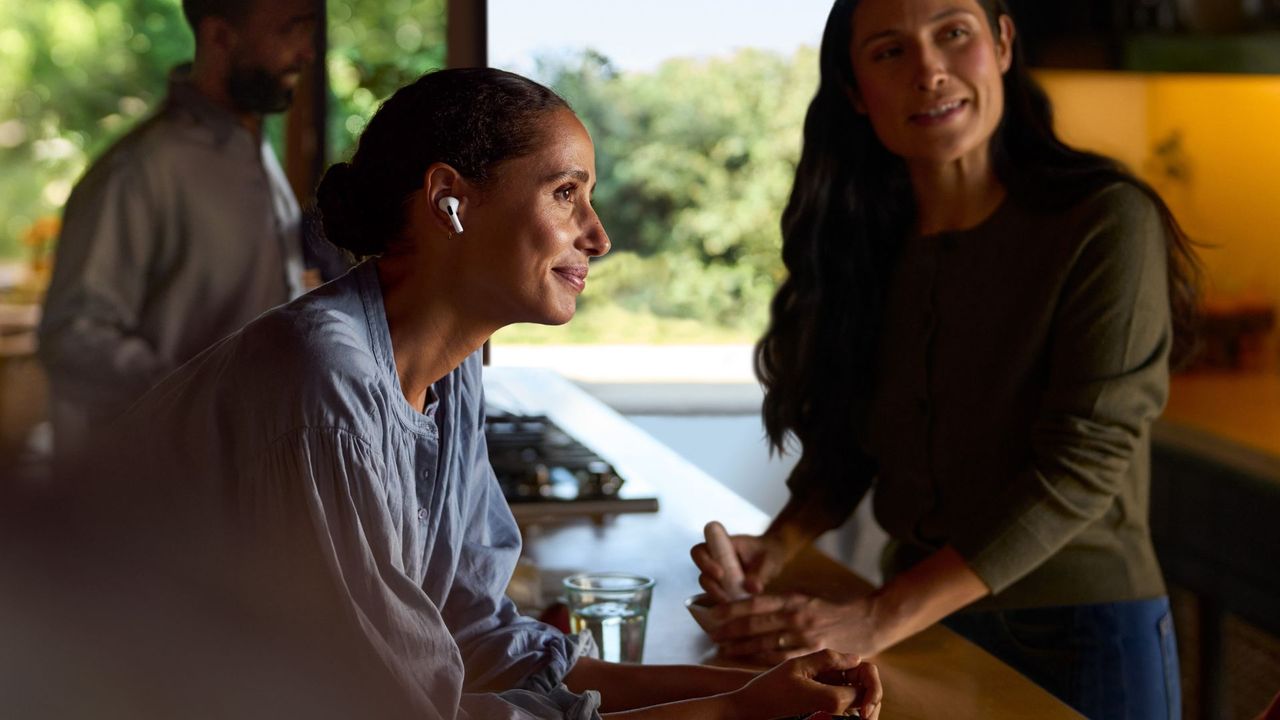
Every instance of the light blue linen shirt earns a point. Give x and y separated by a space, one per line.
299 418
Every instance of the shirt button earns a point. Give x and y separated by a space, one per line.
422 513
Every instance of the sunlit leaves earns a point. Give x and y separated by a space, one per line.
374 48
74 76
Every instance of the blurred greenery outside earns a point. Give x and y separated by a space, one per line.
694 158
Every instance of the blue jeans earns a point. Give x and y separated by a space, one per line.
1113 660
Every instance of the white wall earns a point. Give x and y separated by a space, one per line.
732 449
729 448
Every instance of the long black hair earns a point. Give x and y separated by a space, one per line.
852 204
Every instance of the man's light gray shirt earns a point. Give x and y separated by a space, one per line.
179 235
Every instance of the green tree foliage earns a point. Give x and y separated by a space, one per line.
695 162
74 76
374 48
695 157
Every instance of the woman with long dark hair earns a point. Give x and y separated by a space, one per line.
977 322
339 440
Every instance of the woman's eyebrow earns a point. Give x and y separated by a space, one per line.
935 19
576 173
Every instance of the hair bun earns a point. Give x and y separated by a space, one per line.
472 119
339 210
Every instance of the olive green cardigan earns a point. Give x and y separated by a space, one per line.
1022 363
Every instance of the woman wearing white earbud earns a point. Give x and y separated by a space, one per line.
351 421
449 205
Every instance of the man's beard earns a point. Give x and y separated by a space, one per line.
253 89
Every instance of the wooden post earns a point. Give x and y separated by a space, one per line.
305 152
467 45
466 33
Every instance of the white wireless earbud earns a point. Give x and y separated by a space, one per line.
449 204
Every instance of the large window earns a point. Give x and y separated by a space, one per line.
696 109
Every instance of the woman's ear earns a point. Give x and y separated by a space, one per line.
441 180
1004 43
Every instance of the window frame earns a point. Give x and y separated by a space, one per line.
306 127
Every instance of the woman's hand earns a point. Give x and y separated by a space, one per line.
762 558
768 629
823 681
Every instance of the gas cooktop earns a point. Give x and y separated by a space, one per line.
544 472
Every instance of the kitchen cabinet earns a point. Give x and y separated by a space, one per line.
1193 36
1215 503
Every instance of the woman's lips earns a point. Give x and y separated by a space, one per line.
940 113
575 276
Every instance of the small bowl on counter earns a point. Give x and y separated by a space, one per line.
700 607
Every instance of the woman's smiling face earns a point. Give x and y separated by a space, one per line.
930 75
539 228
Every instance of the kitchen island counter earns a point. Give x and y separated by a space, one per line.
935 674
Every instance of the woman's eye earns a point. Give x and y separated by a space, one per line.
564 193
886 53
956 33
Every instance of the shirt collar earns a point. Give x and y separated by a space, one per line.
183 95
370 288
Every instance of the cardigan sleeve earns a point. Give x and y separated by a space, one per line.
1108 379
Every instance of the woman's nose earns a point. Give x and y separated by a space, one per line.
595 241
599 244
931 70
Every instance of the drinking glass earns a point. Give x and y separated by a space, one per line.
614 607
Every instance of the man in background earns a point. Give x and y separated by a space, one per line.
185 229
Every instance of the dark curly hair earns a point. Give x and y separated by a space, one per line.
470 118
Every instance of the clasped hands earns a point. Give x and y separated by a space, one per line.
775 629
767 629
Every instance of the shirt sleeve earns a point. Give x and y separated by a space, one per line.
88 337
326 483
1108 380
500 647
